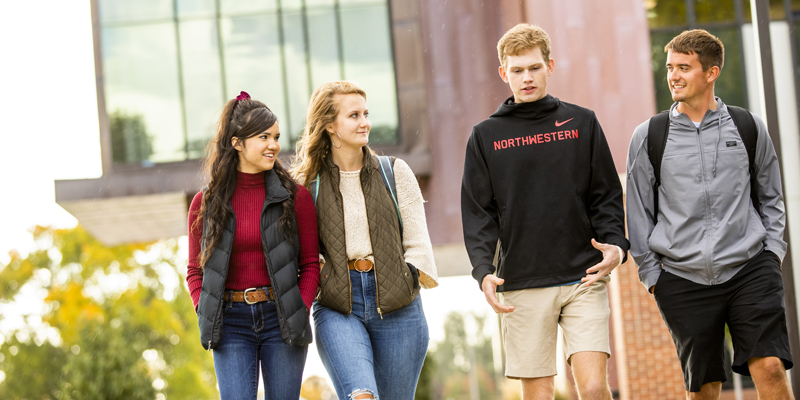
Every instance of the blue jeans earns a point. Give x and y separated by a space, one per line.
251 336
366 354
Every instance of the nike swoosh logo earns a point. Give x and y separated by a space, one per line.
562 123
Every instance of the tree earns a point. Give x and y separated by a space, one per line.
464 362
124 322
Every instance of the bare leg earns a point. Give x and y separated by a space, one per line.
769 375
538 388
709 391
591 376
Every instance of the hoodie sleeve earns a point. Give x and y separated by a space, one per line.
479 215
640 207
606 212
769 190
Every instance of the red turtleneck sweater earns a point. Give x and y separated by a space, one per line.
248 267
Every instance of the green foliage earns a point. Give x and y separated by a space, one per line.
30 369
111 368
425 389
122 333
464 362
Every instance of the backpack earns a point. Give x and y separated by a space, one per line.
657 140
386 165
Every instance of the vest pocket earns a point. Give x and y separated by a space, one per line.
323 279
415 276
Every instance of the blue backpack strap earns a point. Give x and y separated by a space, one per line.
386 165
315 189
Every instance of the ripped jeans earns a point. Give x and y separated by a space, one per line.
365 354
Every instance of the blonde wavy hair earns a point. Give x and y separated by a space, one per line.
312 149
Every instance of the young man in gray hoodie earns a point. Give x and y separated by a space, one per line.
707 252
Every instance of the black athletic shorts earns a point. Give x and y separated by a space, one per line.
750 303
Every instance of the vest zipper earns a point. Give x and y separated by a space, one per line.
377 291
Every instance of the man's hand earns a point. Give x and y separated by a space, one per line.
489 285
610 261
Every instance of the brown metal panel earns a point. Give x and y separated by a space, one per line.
602 61
105 136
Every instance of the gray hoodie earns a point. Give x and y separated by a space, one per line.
707 226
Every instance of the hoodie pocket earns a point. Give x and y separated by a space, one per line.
587 230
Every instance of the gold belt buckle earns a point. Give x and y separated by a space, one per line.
371 265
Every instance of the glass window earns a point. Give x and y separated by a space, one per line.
776 10
366 38
128 11
229 7
658 41
196 8
714 11
663 13
202 82
730 86
323 42
297 74
141 87
170 66
253 62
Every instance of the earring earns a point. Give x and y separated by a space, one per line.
340 141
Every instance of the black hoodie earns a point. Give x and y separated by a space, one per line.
540 178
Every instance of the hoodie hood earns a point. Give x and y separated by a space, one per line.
533 110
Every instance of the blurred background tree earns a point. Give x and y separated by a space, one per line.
115 323
464 364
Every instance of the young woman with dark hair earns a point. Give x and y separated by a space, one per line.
253 257
370 327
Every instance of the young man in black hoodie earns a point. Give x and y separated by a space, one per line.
538 177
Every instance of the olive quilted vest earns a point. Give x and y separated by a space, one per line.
393 277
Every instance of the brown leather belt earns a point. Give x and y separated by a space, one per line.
360 265
249 296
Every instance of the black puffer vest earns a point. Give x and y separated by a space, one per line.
282 267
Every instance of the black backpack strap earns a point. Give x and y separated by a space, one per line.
746 125
657 134
386 165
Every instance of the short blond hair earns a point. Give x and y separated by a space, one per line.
522 38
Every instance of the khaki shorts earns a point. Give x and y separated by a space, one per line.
530 332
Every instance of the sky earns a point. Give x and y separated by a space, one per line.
48 106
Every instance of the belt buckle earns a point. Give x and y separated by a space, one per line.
244 295
371 265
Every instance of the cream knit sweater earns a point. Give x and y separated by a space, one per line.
416 241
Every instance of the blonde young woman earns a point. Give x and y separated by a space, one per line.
371 331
